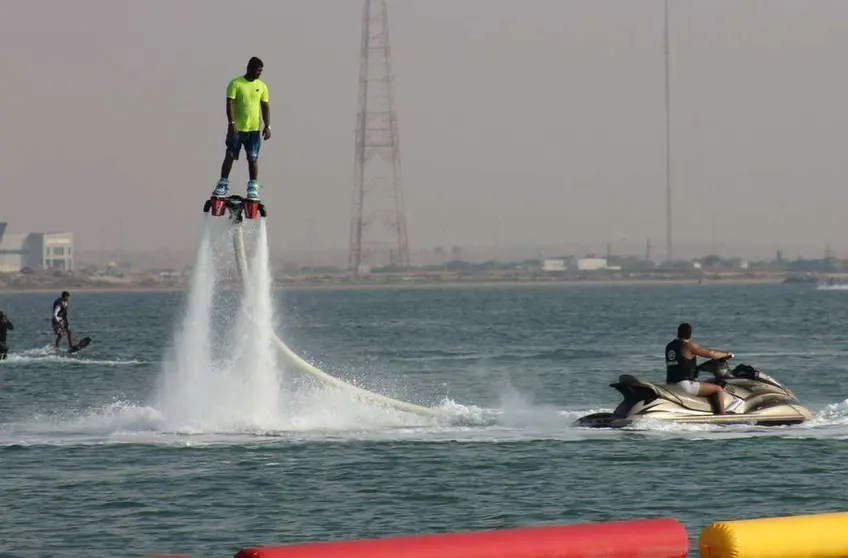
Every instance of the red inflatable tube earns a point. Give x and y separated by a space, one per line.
646 538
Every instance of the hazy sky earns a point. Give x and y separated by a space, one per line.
544 116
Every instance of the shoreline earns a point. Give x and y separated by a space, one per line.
728 281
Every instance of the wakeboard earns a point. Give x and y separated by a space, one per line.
83 343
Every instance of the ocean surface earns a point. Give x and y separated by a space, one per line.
111 453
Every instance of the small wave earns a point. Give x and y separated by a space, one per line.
424 355
47 354
84 426
795 353
14 360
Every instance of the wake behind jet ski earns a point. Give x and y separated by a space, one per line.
750 397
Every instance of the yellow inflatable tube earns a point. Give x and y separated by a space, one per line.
804 536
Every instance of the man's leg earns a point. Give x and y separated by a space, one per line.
58 340
223 186
227 165
251 147
233 144
715 393
70 338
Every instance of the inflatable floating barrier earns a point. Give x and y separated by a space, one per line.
647 538
810 536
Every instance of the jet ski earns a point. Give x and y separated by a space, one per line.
750 397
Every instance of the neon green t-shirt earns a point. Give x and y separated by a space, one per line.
247 95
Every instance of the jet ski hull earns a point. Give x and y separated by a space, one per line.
794 414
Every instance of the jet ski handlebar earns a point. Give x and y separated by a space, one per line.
714 361
717 366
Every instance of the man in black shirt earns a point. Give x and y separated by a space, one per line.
5 325
681 366
60 319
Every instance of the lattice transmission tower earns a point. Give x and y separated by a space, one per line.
669 248
378 224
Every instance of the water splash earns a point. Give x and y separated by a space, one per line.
259 400
223 376
183 390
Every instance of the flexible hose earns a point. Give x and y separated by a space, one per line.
295 360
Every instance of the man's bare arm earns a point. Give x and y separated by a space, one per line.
696 350
266 117
230 104
266 113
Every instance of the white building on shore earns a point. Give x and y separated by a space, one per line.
553 264
41 250
594 263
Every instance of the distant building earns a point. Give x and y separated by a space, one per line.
553 264
50 251
11 251
35 251
593 263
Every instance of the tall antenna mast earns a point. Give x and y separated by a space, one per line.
669 245
378 223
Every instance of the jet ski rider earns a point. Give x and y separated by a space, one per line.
681 366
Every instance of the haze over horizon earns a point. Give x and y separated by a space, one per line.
538 122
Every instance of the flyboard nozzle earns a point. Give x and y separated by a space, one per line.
219 207
251 209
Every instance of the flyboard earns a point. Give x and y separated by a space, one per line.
237 208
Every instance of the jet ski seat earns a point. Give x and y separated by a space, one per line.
670 392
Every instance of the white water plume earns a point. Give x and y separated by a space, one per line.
226 382
182 393
254 362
